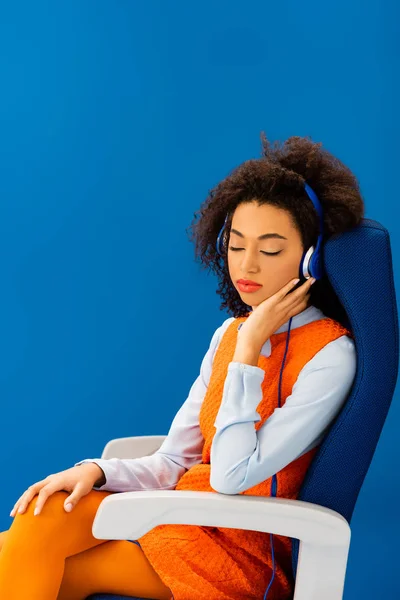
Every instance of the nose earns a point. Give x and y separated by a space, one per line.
249 262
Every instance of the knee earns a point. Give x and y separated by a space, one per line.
40 528
53 507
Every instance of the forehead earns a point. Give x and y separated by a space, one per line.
253 220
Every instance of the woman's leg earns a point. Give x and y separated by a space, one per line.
35 548
115 567
3 535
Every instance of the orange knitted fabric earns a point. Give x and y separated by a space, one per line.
216 563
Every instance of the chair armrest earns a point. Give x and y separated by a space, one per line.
323 533
133 447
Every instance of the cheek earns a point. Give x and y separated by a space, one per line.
279 274
290 266
279 270
289 270
233 265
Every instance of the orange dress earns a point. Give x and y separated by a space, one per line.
217 563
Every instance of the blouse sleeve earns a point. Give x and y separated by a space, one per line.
242 457
181 449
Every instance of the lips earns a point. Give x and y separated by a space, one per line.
248 288
248 282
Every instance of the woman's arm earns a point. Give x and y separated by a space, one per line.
242 457
181 449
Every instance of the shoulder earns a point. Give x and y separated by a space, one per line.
339 350
338 356
219 332
224 325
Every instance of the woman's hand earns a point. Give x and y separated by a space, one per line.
272 313
79 480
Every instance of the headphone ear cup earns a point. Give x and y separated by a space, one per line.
306 265
219 244
221 238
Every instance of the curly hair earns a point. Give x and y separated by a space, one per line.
278 178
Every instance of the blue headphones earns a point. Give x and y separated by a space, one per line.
311 261
310 266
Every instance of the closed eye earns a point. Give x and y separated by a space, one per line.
263 251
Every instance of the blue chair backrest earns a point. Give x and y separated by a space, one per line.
358 264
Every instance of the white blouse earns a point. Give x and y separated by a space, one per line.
242 457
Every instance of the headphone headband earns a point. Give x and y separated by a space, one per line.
314 199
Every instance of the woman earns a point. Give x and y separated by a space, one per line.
244 428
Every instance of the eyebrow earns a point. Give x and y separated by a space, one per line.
261 237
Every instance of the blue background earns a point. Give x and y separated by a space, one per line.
116 118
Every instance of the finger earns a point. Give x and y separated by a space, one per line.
15 507
286 288
293 303
44 493
25 499
21 504
304 286
298 294
74 498
299 306
298 299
